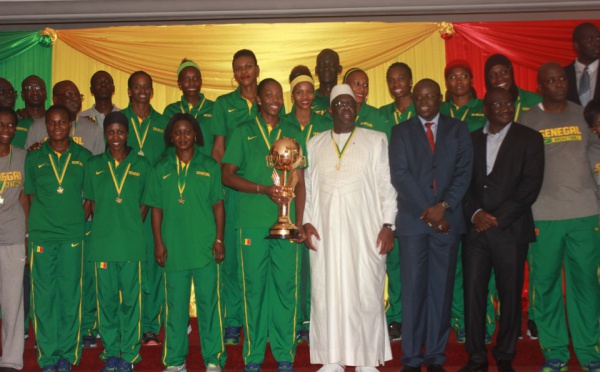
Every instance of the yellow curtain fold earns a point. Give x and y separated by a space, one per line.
158 50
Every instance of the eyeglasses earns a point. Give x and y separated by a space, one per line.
33 87
498 105
7 92
342 104
71 95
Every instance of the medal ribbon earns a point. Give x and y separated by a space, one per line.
9 164
264 136
137 132
183 111
337 148
118 186
308 133
398 115
463 117
179 167
518 111
64 169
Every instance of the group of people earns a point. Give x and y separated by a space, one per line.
442 194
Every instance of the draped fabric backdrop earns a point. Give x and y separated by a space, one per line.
527 44
25 53
278 47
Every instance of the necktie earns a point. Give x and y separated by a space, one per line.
430 138
584 86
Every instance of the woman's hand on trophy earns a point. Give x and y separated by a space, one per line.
301 237
310 231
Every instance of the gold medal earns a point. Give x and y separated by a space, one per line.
118 186
140 139
60 178
181 183
343 151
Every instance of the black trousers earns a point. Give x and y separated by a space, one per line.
498 250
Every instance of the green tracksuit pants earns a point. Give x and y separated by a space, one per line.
575 246
209 311
56 270
119 292
270 285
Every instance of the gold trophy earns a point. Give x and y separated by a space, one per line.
285 156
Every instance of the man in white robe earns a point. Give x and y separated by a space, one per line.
349 215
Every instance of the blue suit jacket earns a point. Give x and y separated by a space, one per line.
414 167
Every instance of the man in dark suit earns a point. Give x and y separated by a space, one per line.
431 162
582 73
508 169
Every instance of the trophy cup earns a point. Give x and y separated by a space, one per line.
285 156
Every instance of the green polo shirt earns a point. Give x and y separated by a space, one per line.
525 101
56 217
249 146
188 229
316 125
320 105
21 133
471 113
202 111
117 228
155 124
231 110
395 117
370 118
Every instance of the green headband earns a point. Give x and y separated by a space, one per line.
187 64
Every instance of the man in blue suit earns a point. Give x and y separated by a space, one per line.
431 160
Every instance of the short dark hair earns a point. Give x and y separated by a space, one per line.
130 80
11 112
59 107
592 111
244 53
264 82
190 119
98 72
578 31
401 65
299 71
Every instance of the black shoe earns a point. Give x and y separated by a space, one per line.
89 342
410 369
475 367
532 330
395 331
150 339
435 368
505 366
7 369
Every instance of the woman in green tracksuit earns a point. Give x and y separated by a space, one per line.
189 80
269 267
114 184
188 220
310 124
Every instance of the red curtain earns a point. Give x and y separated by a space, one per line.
527 44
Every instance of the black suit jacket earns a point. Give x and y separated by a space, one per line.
512 187
572 94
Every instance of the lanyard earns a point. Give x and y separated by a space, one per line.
343 151
118 186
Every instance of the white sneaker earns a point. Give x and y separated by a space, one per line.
332 367
181 368
212 368
366 369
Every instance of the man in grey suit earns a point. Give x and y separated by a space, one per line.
431 160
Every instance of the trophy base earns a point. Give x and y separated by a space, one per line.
283 234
